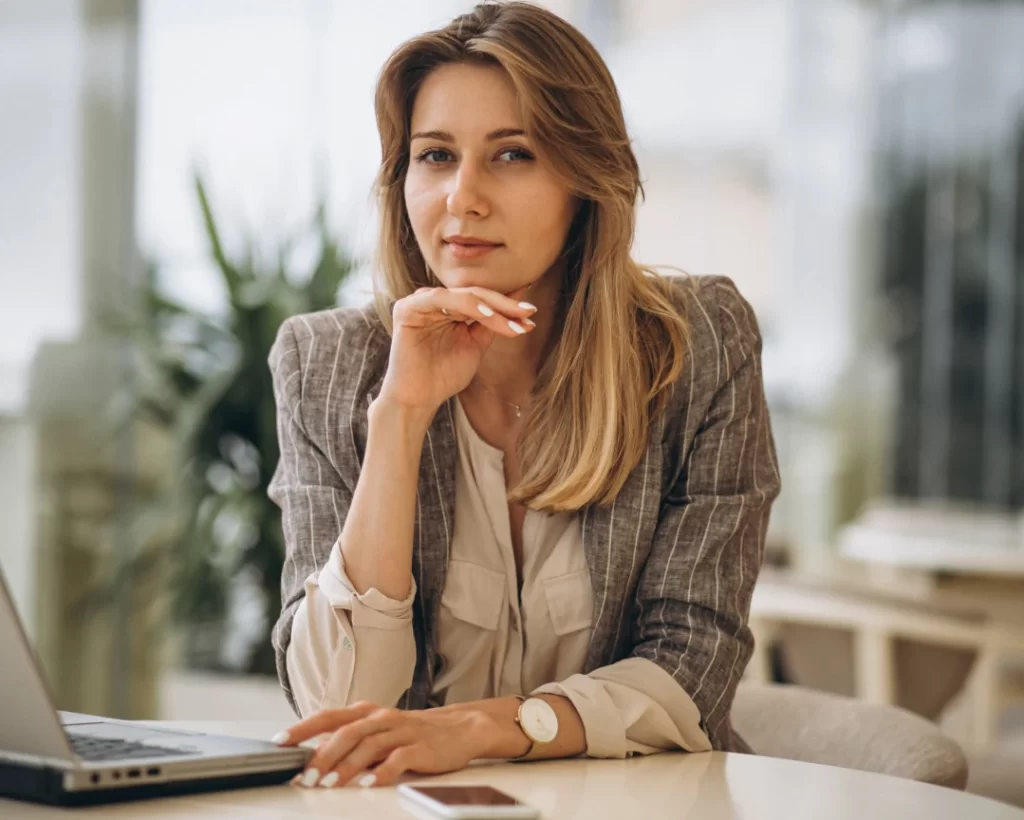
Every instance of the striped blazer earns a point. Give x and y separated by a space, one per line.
672 560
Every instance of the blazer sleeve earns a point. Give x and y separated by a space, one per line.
328 640
695 589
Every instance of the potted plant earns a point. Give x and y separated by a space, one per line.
203 384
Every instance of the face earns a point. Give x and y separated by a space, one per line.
485 207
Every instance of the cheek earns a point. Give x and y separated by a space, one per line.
546 218
421 201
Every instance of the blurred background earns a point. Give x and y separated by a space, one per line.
177 177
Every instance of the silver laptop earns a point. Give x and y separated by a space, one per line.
71 759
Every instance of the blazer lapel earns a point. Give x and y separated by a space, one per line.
435 520
617 540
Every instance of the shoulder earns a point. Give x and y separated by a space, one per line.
721 322
337 351
722 336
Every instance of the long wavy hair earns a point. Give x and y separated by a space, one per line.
623 336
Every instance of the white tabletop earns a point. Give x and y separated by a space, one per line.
937 538
712 786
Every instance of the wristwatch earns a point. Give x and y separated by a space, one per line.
538 721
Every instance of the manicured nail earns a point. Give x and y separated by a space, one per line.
366 781
518 328
310 778
329 780
527 306
485 310
280 737
529 322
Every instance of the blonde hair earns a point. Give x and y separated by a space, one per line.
623 338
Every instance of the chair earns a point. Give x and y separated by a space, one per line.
892 649
795 723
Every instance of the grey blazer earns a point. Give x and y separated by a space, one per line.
672 560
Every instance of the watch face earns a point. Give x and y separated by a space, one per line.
539 720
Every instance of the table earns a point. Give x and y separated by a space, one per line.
712 786
961 555
934 538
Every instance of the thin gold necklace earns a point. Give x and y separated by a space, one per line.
518 408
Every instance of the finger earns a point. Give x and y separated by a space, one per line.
401 760
510 304
494 310
463 304
370 750
326 720
342 742
425 306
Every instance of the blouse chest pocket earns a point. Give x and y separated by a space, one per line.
570 601
474 594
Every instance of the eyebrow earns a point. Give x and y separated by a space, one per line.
444 136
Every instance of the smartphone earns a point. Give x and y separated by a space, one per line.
468 802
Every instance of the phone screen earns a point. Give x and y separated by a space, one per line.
467 795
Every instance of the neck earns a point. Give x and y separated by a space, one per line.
509 367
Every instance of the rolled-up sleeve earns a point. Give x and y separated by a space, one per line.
347 647
695 589
332 646
632 707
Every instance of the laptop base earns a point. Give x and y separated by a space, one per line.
45 785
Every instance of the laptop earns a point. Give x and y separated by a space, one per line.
71 759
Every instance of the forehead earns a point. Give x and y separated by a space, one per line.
466 100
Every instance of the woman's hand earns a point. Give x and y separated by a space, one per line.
364 736
435 355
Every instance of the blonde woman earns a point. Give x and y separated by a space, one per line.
525 495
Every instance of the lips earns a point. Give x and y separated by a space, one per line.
469 247
467 251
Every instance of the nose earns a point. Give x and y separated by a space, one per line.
467 196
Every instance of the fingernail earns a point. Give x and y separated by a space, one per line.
529 322
527 306
310 777
366 781
485 310
518 328
280 737
329 780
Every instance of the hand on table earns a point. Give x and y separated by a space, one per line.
381 744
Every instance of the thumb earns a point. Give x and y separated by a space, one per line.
482 335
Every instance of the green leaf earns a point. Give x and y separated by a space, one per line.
228 271
203 383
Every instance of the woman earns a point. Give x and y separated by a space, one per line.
525 498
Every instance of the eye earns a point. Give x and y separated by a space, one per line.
433 156
515 154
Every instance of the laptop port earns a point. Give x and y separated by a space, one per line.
134 772
94 778
153 771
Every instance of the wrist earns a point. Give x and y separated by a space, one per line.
487 735
387 412
495 733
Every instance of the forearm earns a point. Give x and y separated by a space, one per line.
501 737
377 538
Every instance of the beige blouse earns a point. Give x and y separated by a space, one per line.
347 647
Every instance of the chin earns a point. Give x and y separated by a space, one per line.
470 278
